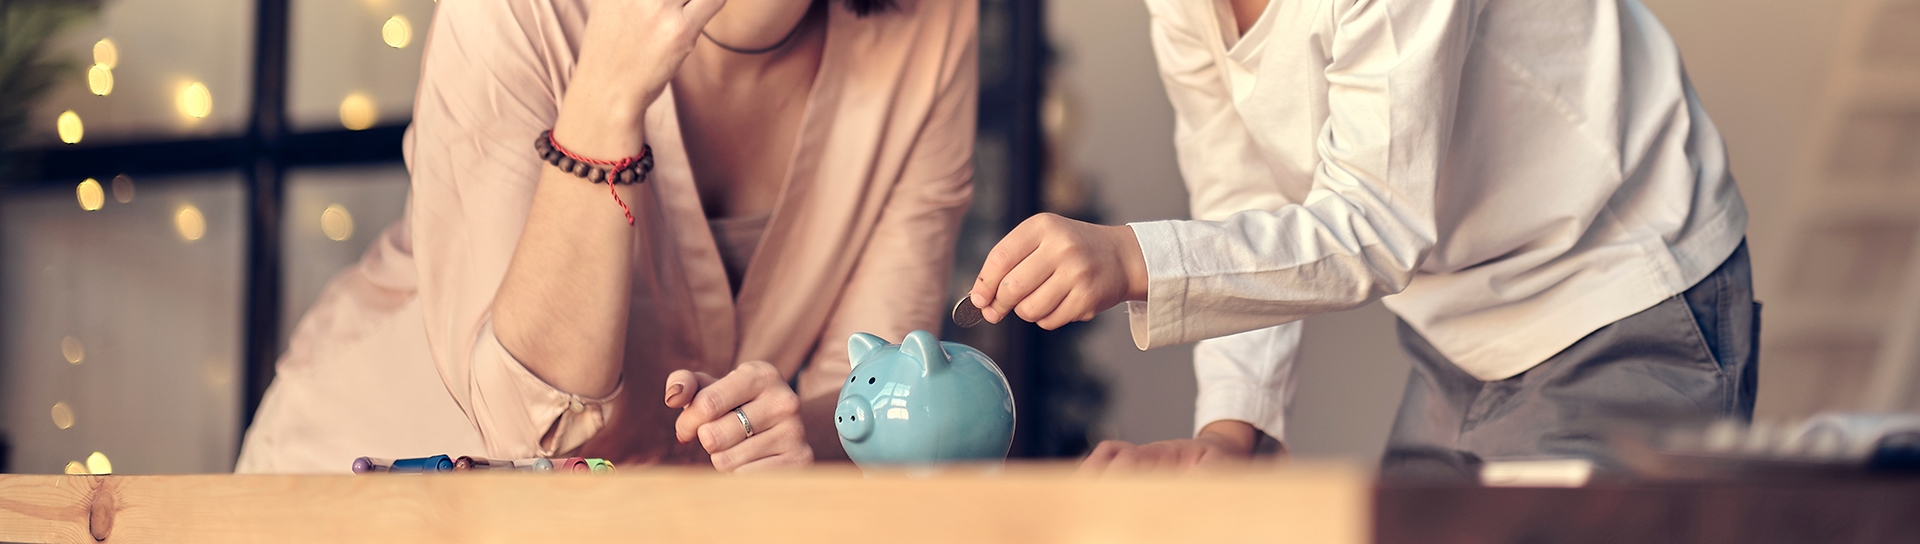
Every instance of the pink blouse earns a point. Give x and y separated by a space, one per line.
398 358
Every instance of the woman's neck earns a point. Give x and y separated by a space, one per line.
749 33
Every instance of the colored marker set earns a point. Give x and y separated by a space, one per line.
467 463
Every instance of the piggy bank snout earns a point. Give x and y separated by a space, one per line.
853 418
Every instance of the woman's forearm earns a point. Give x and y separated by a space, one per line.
562 307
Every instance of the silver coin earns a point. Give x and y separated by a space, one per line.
965 314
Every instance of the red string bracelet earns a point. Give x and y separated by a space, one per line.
617 172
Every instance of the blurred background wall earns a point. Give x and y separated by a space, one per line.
1819 102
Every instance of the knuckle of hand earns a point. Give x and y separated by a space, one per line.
713 404
783 403
999 258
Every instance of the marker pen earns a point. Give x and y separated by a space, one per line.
437 463
538 464
467 462
572 464
600 466
365 465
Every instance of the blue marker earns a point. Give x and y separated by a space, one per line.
437 463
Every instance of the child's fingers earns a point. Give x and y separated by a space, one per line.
1125 461
1043 300
1075 306
1006 254
1022 281
1096 462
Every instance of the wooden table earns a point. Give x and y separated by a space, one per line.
1311 503
1304 502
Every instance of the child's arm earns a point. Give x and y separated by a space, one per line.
1359 234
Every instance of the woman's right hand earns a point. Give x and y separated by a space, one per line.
631 50
766 433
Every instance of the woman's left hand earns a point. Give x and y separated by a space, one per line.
756 389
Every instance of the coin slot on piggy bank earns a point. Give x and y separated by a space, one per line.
922 402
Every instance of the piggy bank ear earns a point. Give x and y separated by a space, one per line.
925 348
861 344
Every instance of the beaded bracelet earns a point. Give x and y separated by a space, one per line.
625 171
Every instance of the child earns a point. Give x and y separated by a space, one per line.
1532 187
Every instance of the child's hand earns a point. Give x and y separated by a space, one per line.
1053 271
1220 443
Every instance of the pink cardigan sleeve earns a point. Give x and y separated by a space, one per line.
900 282
487 89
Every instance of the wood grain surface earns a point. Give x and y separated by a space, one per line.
1044 503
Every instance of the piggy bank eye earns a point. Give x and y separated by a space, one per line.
852 378
869 381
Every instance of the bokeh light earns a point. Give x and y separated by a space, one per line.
74 467
69 127
100 80
357 112
105 54
98 464
62 415
397 32
71 348
194 101
189 223
91 196
336 223
122 189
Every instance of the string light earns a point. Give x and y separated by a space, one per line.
69 127
90 195
194 101
71 348
100 79
336 223
105 54
189 223
357 112
396 32
123 189
98 464
62 415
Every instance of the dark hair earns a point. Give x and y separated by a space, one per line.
864 8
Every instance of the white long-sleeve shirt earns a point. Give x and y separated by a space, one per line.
1509 176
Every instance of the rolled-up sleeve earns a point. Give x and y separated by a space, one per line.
1247 377
1368 220
485 93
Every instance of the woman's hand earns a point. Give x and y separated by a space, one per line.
754 388
631 50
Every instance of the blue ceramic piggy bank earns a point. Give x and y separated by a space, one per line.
922 402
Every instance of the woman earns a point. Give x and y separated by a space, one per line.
811 162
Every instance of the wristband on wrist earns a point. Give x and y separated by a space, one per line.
624 171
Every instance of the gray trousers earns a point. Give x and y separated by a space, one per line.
1692 357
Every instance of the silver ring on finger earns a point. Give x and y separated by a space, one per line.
744 423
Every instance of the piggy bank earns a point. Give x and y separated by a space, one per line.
922 402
